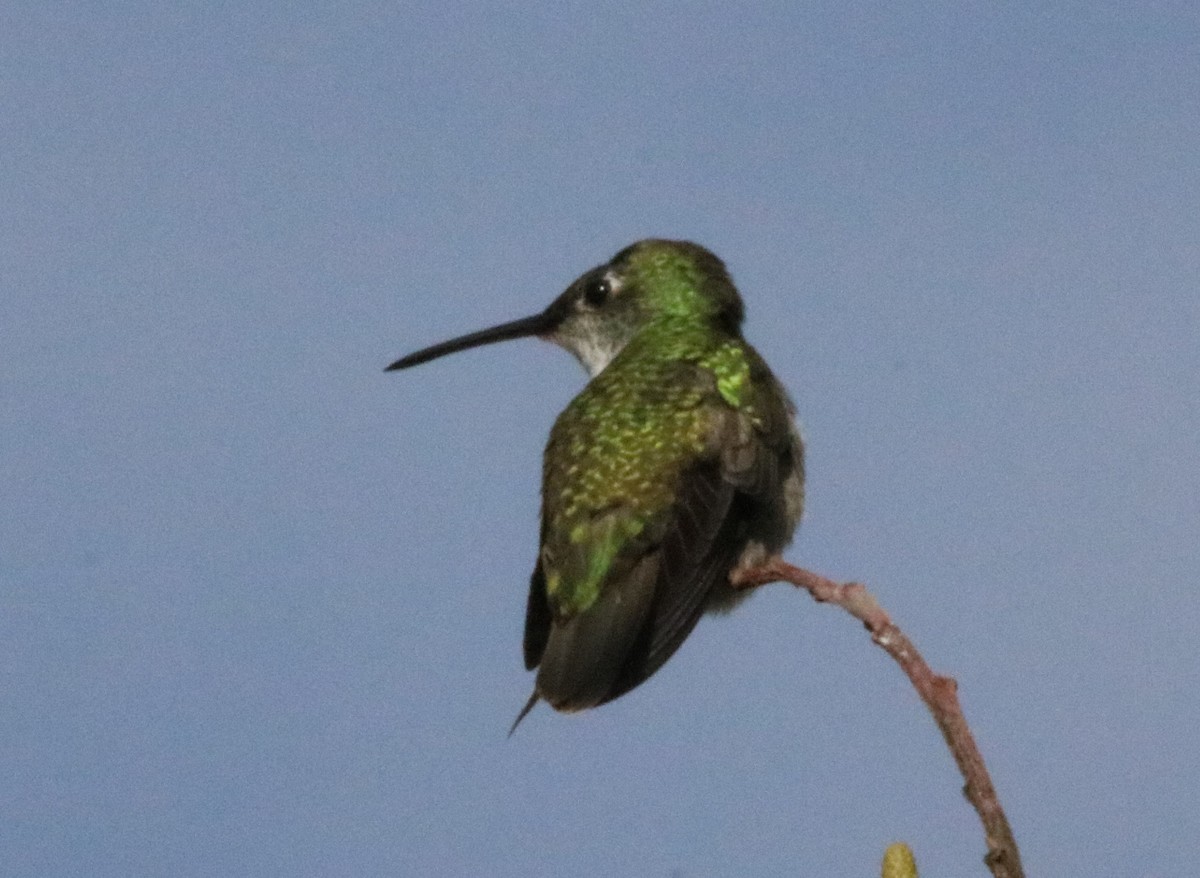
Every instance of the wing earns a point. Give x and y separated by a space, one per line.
640 617
658 582
723 504
698 551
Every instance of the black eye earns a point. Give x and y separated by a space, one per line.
597 291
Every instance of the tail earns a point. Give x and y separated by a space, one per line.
533 699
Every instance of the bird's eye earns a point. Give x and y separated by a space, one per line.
597 291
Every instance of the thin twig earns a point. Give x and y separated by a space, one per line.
939 694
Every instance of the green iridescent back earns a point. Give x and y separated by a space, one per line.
624 444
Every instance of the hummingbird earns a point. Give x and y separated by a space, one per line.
678 464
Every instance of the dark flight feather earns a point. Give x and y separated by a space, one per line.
587 652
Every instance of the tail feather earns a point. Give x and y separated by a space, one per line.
529 705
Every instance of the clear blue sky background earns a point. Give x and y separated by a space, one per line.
261 604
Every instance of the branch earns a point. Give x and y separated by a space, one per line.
939 694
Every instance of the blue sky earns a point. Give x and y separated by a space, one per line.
261 604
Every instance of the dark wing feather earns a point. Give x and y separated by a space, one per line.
702 507
585 653
537 619
693 558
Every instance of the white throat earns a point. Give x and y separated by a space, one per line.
593 352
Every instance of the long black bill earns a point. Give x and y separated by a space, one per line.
537 324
